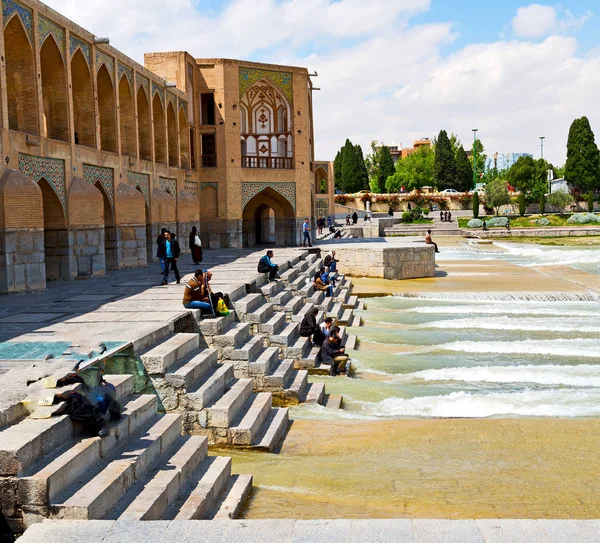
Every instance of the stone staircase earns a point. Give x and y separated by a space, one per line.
144 469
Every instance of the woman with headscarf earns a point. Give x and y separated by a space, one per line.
195 246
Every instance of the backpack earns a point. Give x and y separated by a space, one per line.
263 267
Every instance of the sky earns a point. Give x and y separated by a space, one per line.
393 71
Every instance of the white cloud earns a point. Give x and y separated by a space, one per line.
384 78
536 21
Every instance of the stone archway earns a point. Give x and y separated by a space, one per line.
160 143
54 91
83 101
127 118
107 111
268 218
56 235
144 127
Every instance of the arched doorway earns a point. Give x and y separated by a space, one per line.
54 91
144 128
83 101
106 108
110 231
149 237
56 236
268 218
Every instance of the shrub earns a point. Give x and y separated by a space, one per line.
475 223
366 197
543 221
590 202
522 204
542 204
560 199
343 199
497 221
412 215
475 205
583 218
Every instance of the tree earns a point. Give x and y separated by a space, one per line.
590 202
530 177
522 204
560 199
583 159
464 171
496 194
380 165
481 158
350 169
444 164
475 205
413 172
542 204
361 181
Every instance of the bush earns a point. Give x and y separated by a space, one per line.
543 221
522 204
590 202
475 223
559 200
497 221
343 199
425 211
542 204
412 215
475 205
583 218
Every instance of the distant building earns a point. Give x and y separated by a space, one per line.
503 161
560 185
398 152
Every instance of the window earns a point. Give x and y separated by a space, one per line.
209 151
207 106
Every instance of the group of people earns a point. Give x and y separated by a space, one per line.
353 218
322 222
168 252
325 279
445 216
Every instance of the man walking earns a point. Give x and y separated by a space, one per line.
172 252
306 233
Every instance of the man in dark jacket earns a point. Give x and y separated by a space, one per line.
265 265
160 249
335 355
354 217
172 252
309 327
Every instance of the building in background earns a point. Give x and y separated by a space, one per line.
398 152
503 161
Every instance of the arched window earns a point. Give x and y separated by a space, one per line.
54 91
126 117
106 108
84 116
160 144
144 126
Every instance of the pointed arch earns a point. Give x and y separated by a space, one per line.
160 144
54 91
107 111
55 233
184 142
83 101
144 126
268 217
20 79
172 134
127 118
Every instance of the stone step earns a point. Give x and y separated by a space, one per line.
99 495
264 364
251 419
210 388
227 408
294 305
260 315
312 258
299 349
335 311
356 320
275 324
333 401
281 376
249 351
351 303
216 326
158 360
299 316
302 266
148 499
236 493
288 276
288 336
310 360
202 491
296 390
272 289
307 291
274 428
235 336
327 305
316 298
281 300
123 385
351 343
361 306
298 283
248 304
315 393
192 370
346 316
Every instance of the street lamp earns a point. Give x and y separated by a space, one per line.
475 130
542 138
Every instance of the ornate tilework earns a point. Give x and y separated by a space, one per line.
287 190
183 105
161 92
143 82
78 43
206 185
191 187
103 58
25 14
51 169
106 177
122 69
283 80
168 185
141 181
172 99
47 27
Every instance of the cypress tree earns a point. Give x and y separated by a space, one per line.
542 204
464 171
337 169
522 204
445 163
475 205
583 159
386 167
590 202
362 178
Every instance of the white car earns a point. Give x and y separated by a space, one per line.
449 191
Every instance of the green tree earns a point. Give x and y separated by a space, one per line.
496 194
350 169
529 176
583 159
590 202
345 154
361 181
464 171
522 204
380 165
444 163
413 172
542 204
481 158
476 205
560 199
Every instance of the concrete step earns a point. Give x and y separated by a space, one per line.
299 349
201 493
311 258
235 336
299 316
123 385
192 370
282 375
351 343
264 365
216 326
274 324
281 300
335 311
227 408
234 495
296 390
158 360
210 388
342 295
316 298
251 419
96 497
298 283
246 352
289 276
360 306
307 291
148 499
351 303
274 428
333 401
248 304
294 305
356 320
315 393
260 315
288 336
302 266
346 316
272 289
326 305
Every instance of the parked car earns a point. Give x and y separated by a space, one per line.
449 191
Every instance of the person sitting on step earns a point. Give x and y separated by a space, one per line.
265 265
327 278
429 241
309 327
319 285
196 294
326 327
335 355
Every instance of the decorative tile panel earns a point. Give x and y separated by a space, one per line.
143 82
9 7
283 80
168 185
206 185
141 181
78 43
156 88
191 187
51 169
103 58
106 176
287 190
122 69
47 27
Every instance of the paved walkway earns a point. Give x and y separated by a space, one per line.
322 531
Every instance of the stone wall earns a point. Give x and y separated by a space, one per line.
87 250
131 245
387 262
22 260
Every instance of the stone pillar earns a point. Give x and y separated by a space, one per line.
130 230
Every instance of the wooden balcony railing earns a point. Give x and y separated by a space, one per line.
277 163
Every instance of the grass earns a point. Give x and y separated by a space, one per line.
529 221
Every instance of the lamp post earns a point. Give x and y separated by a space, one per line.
475 130
542 138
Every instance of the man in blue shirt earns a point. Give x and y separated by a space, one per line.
172 252
306 234
266 266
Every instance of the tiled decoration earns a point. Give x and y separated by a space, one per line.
206 185
183 105
51 169
143 82
9 7
287 190
283 80
141 181
122 69
172 99
103 58
78 43
106 176
156 88
191 187
47 27
168 185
